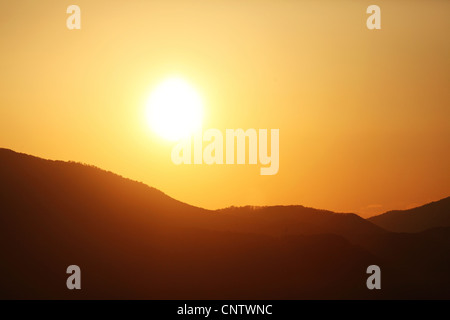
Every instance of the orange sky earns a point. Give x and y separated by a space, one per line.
364 115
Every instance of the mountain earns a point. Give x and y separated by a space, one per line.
73 188
432 215
294 220
132 241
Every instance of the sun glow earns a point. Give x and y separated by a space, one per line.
175 109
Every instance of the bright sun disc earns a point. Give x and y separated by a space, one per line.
174 109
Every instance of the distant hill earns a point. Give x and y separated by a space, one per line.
134 242
75 188
290 220
432 215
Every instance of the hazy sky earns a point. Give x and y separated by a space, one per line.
364 115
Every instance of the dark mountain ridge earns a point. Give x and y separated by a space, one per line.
432 215
132 241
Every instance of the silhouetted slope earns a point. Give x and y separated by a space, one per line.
132 241
289 220
431 215
69 186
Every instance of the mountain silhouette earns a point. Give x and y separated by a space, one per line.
291 220
432 215
132 241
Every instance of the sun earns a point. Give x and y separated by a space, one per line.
175 109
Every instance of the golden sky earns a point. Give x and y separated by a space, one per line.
364 115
